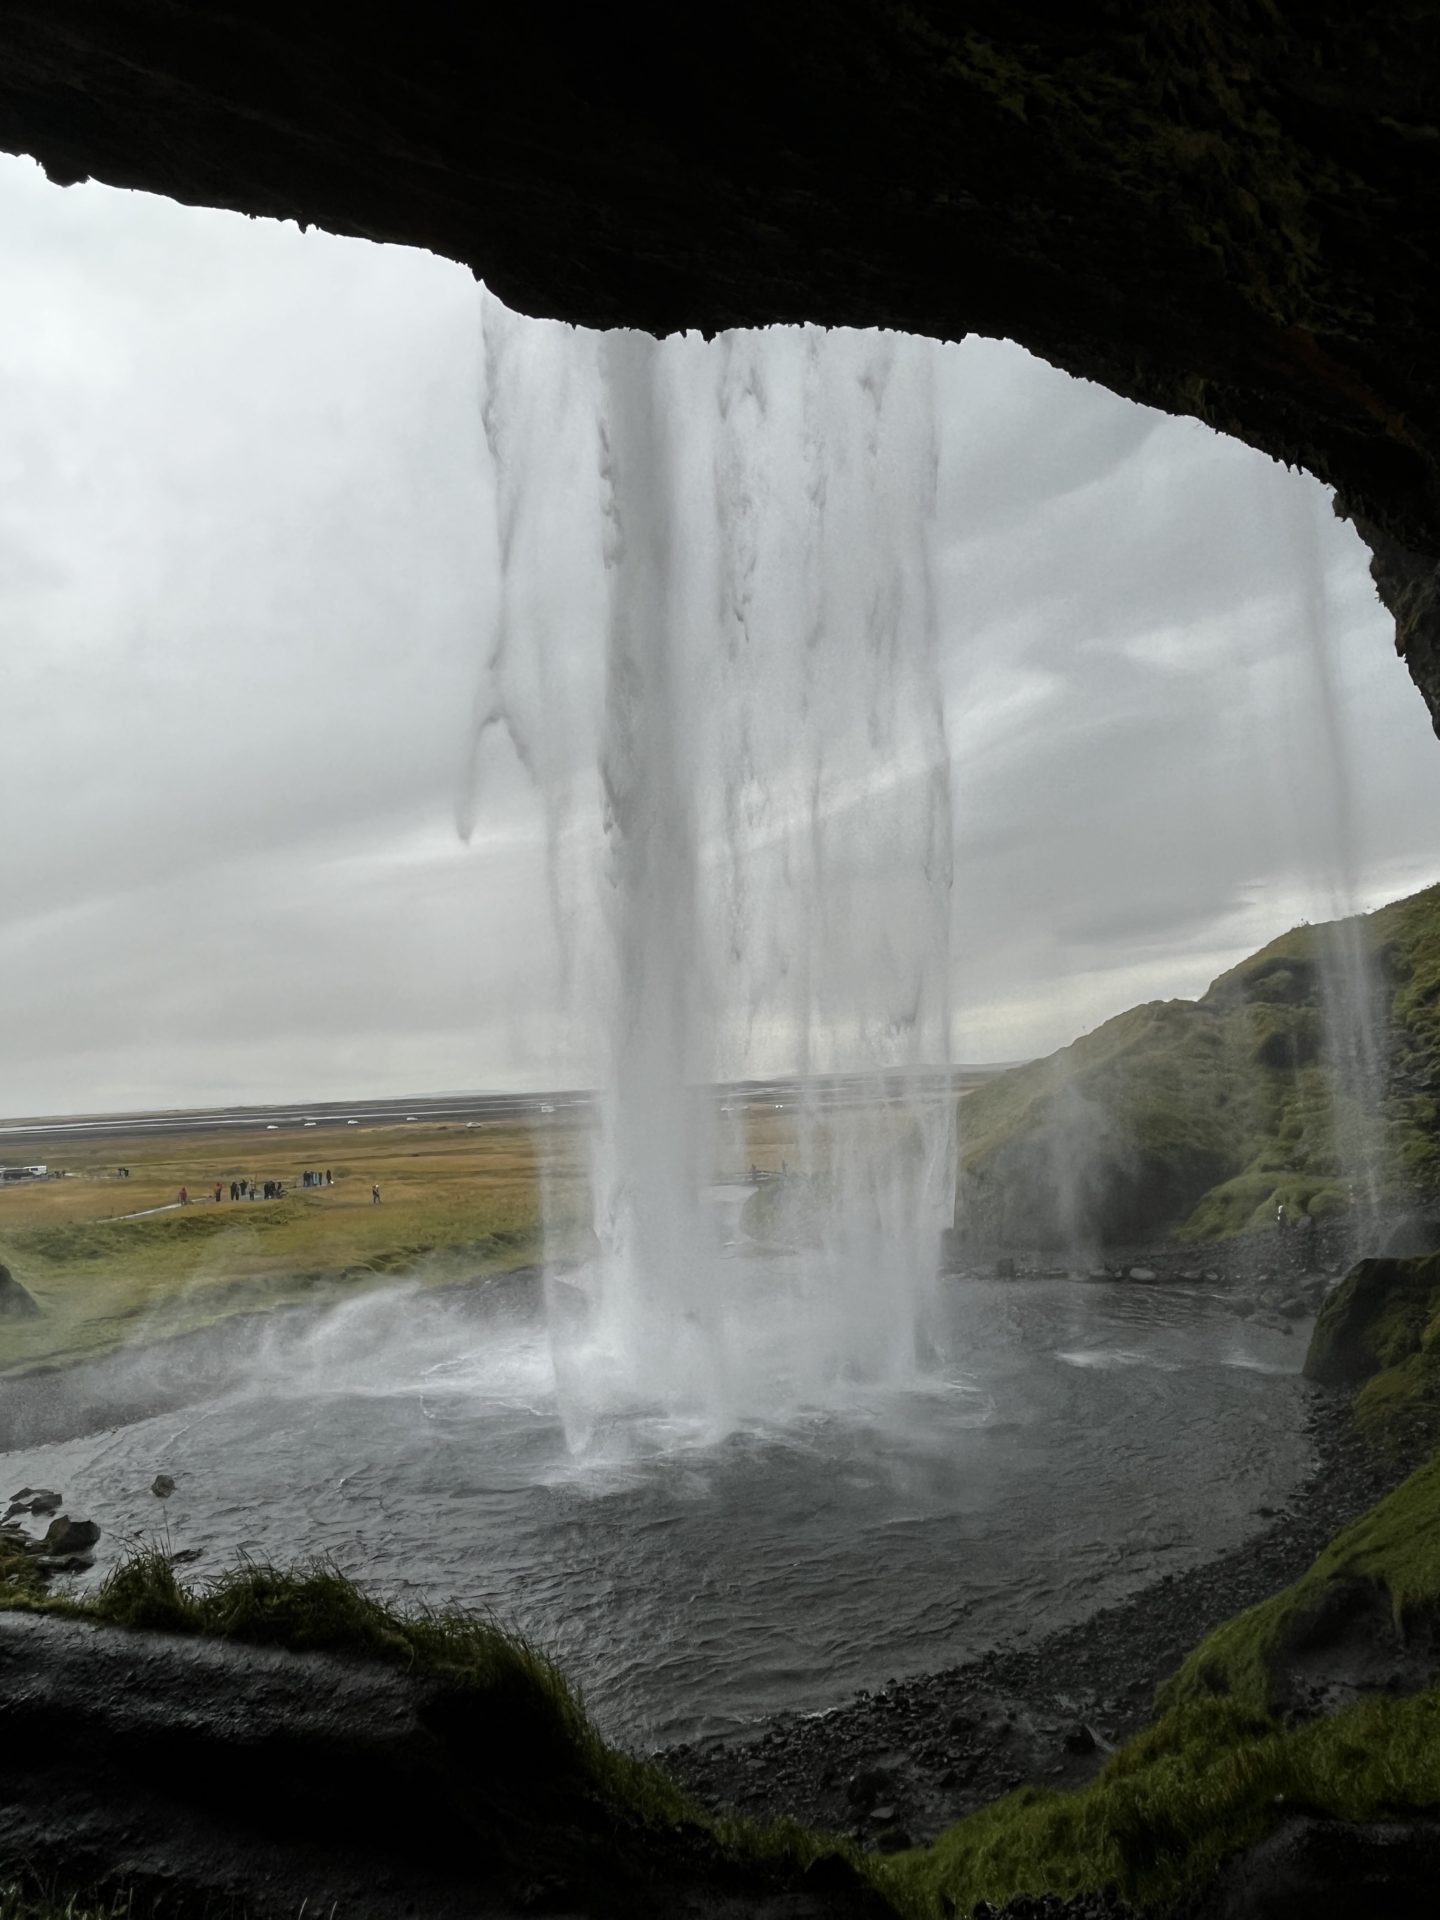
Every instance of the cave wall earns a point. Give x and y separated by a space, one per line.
1220 207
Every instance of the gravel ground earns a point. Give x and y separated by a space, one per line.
894 1767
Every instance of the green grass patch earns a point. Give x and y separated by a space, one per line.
1208 1780
20 1578
456 1203
1396 1545
21 1902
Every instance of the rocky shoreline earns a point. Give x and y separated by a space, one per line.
894 1767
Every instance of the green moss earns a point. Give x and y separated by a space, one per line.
19 1576
1383 1317
1204 1783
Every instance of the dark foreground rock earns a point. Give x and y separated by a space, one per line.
1331 1868
920 1754
194 1775
15 1302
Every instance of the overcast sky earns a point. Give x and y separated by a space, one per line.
248 586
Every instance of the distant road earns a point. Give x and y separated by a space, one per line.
476 1108
472 1107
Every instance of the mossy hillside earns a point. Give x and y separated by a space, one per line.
1202 1116
1219 1768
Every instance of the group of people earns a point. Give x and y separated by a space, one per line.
264 1189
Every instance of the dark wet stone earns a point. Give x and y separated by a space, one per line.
15 1302
1376 1871
66 1537
36 1500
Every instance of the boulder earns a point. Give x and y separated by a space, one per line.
1378 1316
15 1302
36 1500
64 1538
1335 1868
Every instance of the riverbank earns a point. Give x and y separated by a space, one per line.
895 1767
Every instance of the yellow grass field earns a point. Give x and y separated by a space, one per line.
455 1202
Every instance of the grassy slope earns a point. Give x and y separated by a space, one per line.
553 1752
1235 1090
455 1202
1217 1769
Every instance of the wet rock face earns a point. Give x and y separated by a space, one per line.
1330 1867
15 1302
1377 1317
1227 211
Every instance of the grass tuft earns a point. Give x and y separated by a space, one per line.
550 1742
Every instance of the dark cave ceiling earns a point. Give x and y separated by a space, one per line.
1222 209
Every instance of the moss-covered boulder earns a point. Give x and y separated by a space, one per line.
1307 1077
1383 1314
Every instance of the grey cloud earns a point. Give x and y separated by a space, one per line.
248 577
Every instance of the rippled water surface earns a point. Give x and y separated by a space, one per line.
1070 1442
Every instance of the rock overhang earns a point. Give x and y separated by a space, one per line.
1215 209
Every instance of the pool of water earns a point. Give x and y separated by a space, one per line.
1064 1444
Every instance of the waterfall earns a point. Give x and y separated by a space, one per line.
715 655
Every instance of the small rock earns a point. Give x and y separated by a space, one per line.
64 1537
36 1500
882 1816
162 1486
1140 1273
185 1556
